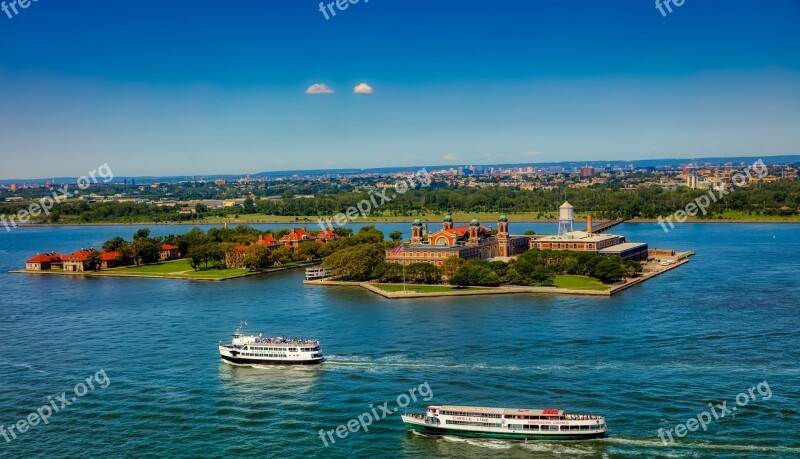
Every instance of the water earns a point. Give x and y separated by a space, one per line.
649 358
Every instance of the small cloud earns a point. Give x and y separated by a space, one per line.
450 157
363 88
319 88
532 153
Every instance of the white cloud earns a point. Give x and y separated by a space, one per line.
319 88
450 157
363 88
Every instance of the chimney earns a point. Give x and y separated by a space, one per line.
589 223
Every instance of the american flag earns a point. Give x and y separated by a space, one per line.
398 249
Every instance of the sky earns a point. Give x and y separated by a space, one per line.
195 87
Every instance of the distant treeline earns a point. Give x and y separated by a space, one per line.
606 201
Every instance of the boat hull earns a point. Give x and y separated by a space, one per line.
246 361
443 431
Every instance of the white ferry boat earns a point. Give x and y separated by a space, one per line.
258 350
508 423
317 272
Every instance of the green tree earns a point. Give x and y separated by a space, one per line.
198 255
355 262
114 244
146 250
307 251
283 255
396 235
423 273
93 261
451 265
141 234
258 257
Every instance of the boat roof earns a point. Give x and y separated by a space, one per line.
489 410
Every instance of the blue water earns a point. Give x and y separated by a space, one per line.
649 358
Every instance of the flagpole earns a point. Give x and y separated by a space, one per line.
404 277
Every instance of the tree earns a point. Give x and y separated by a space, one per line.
258 257
529 233
388 272
396 235
146 250
283 255
249 206
93 261
451 265
355 262
114 244
307 251
423 273
475 272
141 234
342 231
198 255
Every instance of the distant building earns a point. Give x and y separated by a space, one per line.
78 261
43 262
295 237
588 241
587 171
168 252
691 180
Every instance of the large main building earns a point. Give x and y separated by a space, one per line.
477 241
471 241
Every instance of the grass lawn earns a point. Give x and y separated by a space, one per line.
421 288
178 268
579 283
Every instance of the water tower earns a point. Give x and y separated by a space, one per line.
566 218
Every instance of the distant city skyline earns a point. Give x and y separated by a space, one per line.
257 87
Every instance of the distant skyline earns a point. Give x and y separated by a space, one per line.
246 87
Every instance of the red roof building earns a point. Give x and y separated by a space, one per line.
268 241
43 261
326 235
295 237
168 252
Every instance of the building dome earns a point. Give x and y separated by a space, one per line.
503 218
448 218
417 222
566 205
474 222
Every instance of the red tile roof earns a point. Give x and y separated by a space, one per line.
168 247
110 256
296 235
45 258
327 234
268 241
80 255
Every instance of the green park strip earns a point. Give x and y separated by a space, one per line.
177 269
573 282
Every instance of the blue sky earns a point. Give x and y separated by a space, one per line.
197 87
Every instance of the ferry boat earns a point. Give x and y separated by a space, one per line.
317 272
506 423
258 350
